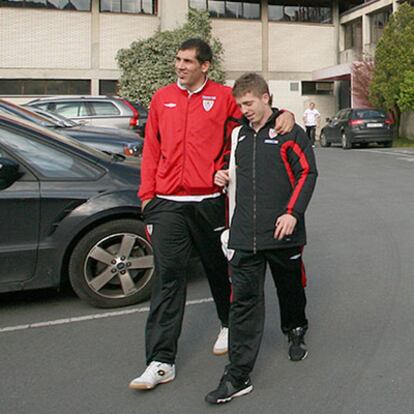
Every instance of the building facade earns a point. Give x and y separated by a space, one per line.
50 47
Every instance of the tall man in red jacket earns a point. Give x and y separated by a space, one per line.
182 207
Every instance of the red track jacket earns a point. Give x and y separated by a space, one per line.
185 140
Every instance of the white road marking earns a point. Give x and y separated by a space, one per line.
91 317
402 155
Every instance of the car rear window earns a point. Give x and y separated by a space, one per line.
368 114
105 108
69 109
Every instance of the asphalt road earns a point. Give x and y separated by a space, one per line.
360 306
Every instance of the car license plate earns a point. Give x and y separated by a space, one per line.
374 125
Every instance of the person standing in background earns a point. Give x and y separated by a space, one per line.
311 119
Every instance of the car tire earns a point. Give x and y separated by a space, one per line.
346 142
387 144
113 264
324 141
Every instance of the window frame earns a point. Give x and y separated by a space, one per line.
121 11
226 16
69 83
322 92
351 30
384 13
26 4
306 10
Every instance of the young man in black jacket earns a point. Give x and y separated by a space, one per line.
270 182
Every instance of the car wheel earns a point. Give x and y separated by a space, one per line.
387 144
346 143
113 264
324 141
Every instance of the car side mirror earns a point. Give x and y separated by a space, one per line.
9 172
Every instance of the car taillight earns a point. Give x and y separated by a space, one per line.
133 150
134 121
389 121
355 122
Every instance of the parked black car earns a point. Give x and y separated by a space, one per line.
68 210
106 139
361 126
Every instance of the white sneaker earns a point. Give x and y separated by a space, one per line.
156 373
222 342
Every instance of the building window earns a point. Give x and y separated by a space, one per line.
353 34
317 88
249 9
129 6
294 86
78 5
108 87
300 11
378 22
44 87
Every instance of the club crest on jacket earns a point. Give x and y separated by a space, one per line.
208 102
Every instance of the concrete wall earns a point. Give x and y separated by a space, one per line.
242 42
118 31
300 47
39 39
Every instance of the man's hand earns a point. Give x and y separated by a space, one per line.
284 122
144 203
285 225
221 178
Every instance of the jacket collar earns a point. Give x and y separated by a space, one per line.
183 88
270 122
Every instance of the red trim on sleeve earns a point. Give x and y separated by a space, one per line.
305 166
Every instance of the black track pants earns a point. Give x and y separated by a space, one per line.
176 228
247 310
311 132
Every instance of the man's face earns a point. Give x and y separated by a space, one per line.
254 108
189 70
311 105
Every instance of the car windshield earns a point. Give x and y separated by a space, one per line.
66 139
55 118
20 112
368 114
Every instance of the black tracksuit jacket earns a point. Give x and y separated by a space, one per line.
275 174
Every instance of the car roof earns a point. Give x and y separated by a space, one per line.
69 97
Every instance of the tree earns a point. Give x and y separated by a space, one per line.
392 86
148 64
406 97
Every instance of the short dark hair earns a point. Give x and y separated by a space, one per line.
202 48
250 82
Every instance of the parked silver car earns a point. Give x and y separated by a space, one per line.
107 111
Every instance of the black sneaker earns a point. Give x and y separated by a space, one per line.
297 347
226 391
